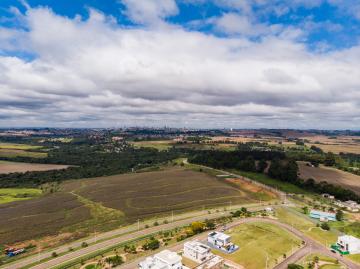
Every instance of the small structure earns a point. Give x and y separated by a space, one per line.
347 244
165 259
322 216
326 195
351 206
221 241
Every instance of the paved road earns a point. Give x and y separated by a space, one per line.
310 246
121 235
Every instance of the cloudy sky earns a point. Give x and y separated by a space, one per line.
183 63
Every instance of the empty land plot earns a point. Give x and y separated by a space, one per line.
17 167
256 241
40 217
330 175
143 194
160 145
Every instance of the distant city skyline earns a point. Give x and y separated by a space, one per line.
190 63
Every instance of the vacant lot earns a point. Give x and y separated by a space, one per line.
142 194
331 175
12 167
256 241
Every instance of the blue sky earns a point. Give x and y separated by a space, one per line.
193 63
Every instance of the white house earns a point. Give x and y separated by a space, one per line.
348 244
196 251
163 260
221 241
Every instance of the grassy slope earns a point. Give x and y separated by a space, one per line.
257 239
284 186
11 195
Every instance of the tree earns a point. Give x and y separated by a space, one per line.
329 159
325 226
339 215
209 224
197 227
152 244
305 210
262 165
294 266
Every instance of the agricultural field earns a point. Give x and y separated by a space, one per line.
140 195
104 203
43 216
331 175
159 145
346 144
256 241
10 150
17 167
11 195
166 144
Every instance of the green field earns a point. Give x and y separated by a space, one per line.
256 241
11 195
159 145
283 186
10 150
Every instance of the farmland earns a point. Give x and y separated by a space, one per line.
331 175
10 150
256 241
104 203
11 195
151 193
17 167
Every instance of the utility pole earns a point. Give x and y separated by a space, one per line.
267 258
172 216
138 224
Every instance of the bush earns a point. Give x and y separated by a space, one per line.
114 261
294 266
54 254
152 244
156 223
84 244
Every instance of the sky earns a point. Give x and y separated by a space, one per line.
180 63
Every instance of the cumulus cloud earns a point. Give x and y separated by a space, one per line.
96 73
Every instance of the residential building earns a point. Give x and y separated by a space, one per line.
163 260
322 216
196 251
221 241
347 244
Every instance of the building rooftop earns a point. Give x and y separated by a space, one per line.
349 238
219 236
317 212
168 256
197 246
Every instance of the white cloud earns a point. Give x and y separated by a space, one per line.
96 73
150 11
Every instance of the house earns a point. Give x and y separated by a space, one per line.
163 260
351 206
326 195
196 251
221 241
201 254
347 244
322 216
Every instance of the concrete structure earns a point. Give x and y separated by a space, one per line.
201 254
351 206
163 260
323 216
347 244
196 251
221 241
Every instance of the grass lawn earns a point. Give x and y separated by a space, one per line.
11 195
256 241
325 262
11 153
355 258
283 186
